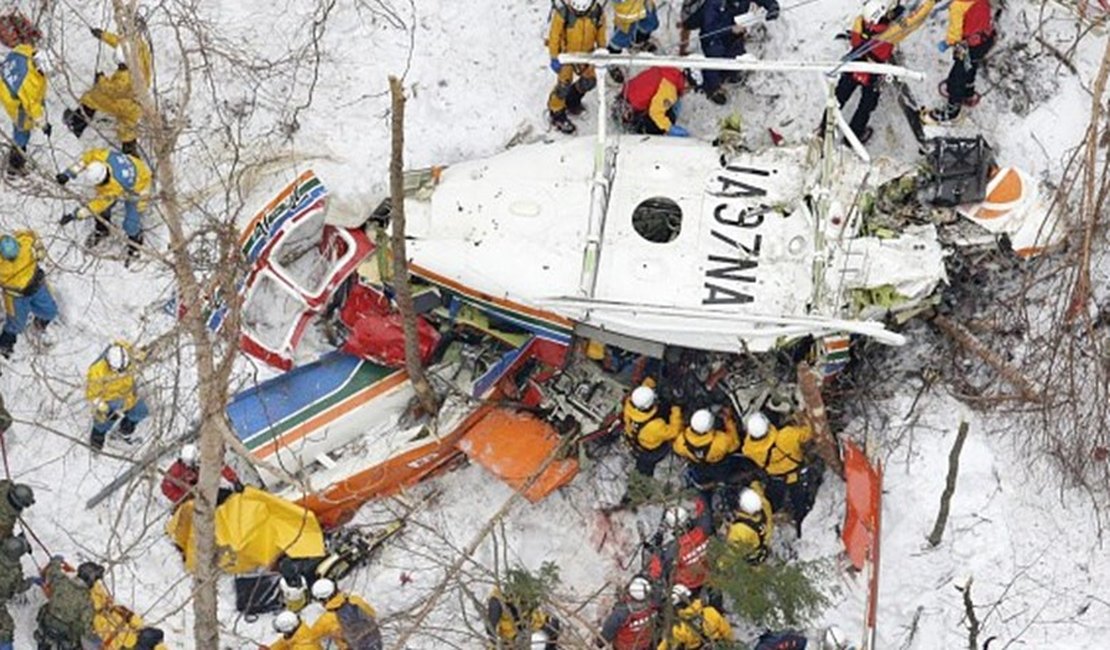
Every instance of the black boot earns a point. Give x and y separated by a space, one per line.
127 431
7 344
77 120
100 231
574 101
96 440
560 121
133 249
17 162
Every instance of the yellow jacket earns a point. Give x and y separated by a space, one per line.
118 186
781 451
709 447
141 51
31 89
573 33
753 531
117 626
665 97
328 627
106 385
644 430
967 17
16 274
302 639
697 624
629 12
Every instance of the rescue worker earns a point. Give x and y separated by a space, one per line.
114 94
23 93
652 102
12 582
509 617
117 178
348 621
110 389
697 625
648 434
708 448
971 36
682 547
720 36
633 23
25 290
874 20
17 497
66 619
790 484
183 474
752 524
295 634
150 638
293 583
576 26
631 624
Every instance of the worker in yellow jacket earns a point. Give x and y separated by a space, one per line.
696 625
781 452
116 94
118 178
23 94
25 290
648 433
634 21
576 26
295 634
707 448
110 389
752 526
348 621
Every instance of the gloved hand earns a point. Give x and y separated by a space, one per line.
62 178
96 32
556 66
47 129
772 14
67 218
101 406
942 47
677 131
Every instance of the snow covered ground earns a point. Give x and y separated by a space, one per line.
476 76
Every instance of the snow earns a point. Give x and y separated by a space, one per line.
476 76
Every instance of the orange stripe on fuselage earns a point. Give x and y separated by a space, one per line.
333 413
507 304
249 230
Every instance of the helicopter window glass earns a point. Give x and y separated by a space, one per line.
657 220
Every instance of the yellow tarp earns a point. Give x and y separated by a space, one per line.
252 530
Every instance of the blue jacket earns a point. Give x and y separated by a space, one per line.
718 16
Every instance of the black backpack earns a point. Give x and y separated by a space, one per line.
360 630
258 594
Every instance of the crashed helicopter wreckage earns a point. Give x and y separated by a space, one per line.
641 243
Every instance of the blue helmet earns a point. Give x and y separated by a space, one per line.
9 247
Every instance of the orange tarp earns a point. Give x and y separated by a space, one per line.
861 520
514 446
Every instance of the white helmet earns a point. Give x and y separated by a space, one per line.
757 425
189 455
701 421
680 594
286 622
539 640
94 173
639 589
750 501
323 589
579 6
643 398
873 10
676 517
117 357
835 639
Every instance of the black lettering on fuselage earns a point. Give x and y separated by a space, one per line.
727 273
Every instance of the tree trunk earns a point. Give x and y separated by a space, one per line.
401 286
949 487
